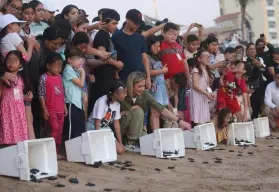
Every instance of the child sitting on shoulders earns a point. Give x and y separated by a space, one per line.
221 123
106 113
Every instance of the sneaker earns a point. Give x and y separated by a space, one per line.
133 148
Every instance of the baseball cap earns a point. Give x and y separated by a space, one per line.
276 51
50 7
83 13
135 16
7 19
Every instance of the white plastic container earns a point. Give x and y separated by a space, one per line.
241 132
202 137
91 147
163 143
18 160
261 127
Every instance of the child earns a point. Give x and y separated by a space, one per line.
226 96
193 44
180 83
106 113
221 123
157 71
10 39
28 15
73 80
201 94
13 123
171 54
103 42
52 96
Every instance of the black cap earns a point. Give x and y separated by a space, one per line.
276 51
135 16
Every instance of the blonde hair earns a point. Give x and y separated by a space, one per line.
133 79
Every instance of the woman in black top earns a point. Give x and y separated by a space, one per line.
256 81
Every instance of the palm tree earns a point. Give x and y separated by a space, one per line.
243 5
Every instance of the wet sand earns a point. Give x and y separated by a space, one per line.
257 172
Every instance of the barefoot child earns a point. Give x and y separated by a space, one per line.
106 113
52 97
13 122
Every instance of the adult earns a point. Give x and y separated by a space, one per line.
266 56
48 16
96 21
52 39
70 12
134 107
131 47
274 65
13 7
38 26
271 101
254 67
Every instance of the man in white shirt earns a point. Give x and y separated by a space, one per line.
271 101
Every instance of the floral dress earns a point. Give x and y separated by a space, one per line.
13 125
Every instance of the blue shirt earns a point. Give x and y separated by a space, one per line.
73 92
129 50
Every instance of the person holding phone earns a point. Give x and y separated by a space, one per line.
105 74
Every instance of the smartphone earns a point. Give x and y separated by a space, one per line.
113 53
198 25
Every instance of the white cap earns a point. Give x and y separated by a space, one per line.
7 19
49 6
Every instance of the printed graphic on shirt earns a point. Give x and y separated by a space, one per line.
57 89
108 119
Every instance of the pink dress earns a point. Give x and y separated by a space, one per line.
13 125
199 102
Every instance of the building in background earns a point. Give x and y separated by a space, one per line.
262 17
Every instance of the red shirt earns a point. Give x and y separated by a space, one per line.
51 89
172 55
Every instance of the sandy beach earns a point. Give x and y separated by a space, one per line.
249 172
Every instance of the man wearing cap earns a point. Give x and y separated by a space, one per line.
271 101
131 47
50 10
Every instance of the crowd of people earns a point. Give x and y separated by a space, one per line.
62 76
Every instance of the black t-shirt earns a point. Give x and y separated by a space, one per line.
104 74
129 50
275 67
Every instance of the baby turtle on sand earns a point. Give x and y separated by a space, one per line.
90 184
239 155
62 176
270 146
107 189
131 169
192 161
74 180
231 151
250 153
60 185
157 169
217 161
52 178
205 162
170 167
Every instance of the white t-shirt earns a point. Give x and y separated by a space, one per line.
107 114
10 42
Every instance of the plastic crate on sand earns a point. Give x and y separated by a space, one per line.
261 127
241 134
202 137
91 147
163 143
20 159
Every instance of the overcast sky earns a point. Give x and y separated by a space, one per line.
181 12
